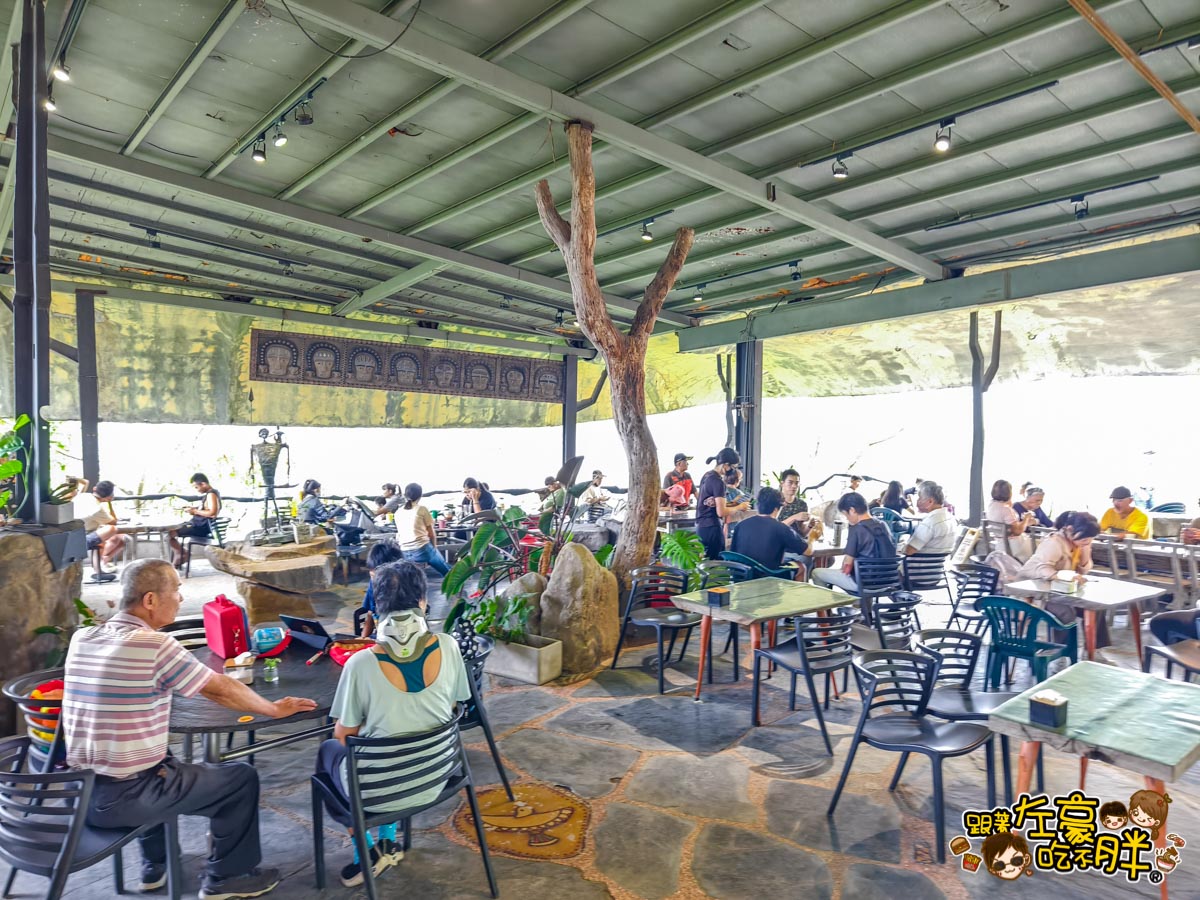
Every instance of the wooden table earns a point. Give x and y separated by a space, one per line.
1132 720
1097 595
822 556
753 602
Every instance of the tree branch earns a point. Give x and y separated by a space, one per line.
592 400
556 226
664 280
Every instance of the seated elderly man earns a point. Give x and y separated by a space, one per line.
938 531
1123 518
116 707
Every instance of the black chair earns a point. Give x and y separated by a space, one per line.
718 573
925 572
43 829
650 604
957 653
474 714
974 583
1176 630
382 774
216 536
876 577
900 682
821 647
896 624
45 750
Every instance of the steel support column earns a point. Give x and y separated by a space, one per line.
89 394
570 406
747 403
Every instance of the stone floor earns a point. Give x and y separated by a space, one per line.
687 800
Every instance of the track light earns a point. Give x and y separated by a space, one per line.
839 169
941 143
698 296
304 115
259 153
48 104
280 138
1081 207
61 71
796 274
646 235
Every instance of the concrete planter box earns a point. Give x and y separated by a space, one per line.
57 513
535 662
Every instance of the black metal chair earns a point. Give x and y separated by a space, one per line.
43 829
925 572
474 714
895 686
718 573
45 750
649 604
382 773
896 624
216 536
974 583
1176 630
957 653
876 577
821 647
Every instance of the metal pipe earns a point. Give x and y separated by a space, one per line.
89 395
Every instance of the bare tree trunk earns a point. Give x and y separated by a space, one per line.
624 353
980 382
725 374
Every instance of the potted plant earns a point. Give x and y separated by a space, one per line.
518 654
59 508
13 453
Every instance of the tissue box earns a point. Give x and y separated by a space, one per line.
1065 583
1048 712
241 668
718 596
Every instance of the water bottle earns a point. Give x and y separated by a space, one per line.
271 671
837 533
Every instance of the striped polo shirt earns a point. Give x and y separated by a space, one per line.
117 700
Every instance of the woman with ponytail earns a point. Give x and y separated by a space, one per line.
710 503
311 509
1069 548
414 531
408 683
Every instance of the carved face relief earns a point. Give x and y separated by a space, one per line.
278 359
547 384
443 374
364 367
323 364
481 378
406 371
514 381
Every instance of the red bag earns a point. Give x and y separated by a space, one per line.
225 627
340 651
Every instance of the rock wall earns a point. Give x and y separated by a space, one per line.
580 608
34 595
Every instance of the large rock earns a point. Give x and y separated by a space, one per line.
300 575
265 604
322 546
34 595
580 608
592 536
531 585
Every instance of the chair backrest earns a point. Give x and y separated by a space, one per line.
719 572
1014 623
385 772
925 571
896 619
655 585
219 524
41 715
877 576
974 582
894 680
188 630
957 652
825 639
757 569
473 713
997 536
1170 509
41 814
884 514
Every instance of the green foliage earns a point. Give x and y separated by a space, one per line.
57 656
683 549
604 554
472 559
505 620
14 450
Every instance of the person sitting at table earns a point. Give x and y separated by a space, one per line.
380 554
312 510
1069 548
100 526
710 503
119 680
868 538
1123 518
202 516
1001 509
476 497
679 476
1191 533
555 496
763 537
414 531
794 511
594 494
409 682
893 498
389 502
1034 496
937 532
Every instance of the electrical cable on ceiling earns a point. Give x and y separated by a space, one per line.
376 52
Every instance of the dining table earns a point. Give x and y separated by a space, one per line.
1132 720
1094 597
160 527
752 603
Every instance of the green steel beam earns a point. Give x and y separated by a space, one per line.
333 64
220 26
385 289
1154 259
528 32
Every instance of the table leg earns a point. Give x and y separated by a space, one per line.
755 638
1083 763
705 637
1156 784
1135 622
1025 762
212 748
1089 633
772 631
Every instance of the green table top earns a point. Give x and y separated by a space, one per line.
764 599
1130 719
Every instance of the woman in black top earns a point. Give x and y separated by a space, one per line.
311 509
710 503
893 498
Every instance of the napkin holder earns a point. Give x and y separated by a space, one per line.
1064 582
241 668
1048 709
718 596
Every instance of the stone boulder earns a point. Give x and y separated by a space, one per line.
580 607
266 604
322 546
592 536
298 575
34 595
531 585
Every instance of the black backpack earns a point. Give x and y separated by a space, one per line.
883 545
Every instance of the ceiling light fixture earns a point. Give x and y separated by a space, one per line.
61 71
280 138
48 104
796 274
840 171
646 235
259 153
941 143
304 113
1081 207
698 296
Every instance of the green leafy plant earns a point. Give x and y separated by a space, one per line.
683 549
503 619
64 493
490 556
14 450
604 554
57 656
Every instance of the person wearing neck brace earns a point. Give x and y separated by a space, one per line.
409 682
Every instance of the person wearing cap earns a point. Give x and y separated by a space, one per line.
555 496
710 502
593 494
1123 518
680 475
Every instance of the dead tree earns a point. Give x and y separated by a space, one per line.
624 352
725 374
981 380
